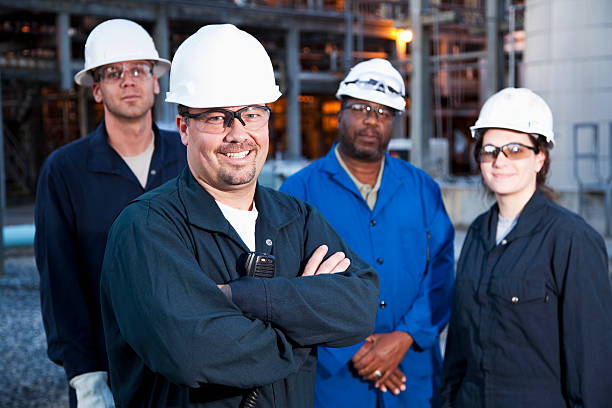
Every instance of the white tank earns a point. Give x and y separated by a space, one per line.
568 61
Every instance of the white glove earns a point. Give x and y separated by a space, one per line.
92 390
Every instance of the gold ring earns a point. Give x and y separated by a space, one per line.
378 373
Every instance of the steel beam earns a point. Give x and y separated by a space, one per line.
420 89
294 133
206 12
164 112
348 36
64 52
494 45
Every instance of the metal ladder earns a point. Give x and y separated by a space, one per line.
600 183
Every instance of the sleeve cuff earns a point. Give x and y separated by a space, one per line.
251 297
423 339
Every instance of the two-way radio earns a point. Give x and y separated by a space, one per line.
257 265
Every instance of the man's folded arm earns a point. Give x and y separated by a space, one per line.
176 318
333 310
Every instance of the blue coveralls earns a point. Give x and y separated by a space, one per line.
408 224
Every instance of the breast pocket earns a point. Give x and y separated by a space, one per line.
521 309
519 292
524 326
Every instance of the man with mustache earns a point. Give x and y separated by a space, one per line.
215 290
84 185
392 215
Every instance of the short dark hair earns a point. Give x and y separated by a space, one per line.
541 144
182 110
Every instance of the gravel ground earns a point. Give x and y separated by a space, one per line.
27 377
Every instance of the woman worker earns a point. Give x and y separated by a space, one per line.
531 324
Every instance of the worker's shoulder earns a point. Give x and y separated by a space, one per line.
404 168
278 201
170 136
72 154
568 223
410 175
159 203
165 195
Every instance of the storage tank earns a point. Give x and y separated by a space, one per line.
568 61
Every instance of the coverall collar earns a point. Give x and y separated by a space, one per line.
528 220
391 179
203 212
102 158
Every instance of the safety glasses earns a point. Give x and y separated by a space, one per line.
513 151
115 73
362 111
218 120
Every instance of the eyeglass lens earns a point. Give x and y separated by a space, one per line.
115 73
513 151
363 111
220 120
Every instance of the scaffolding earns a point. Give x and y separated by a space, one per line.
311 42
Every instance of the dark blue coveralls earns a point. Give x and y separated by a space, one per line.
531 324
82 187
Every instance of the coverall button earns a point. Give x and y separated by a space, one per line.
268 242
373 222
153 172
514 299
379 261
504 242
382 304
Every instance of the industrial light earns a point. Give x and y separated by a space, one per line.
405 36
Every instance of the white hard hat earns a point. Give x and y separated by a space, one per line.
517 109
375 80
115 41
221 65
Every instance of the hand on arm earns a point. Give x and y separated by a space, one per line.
381 354
337 262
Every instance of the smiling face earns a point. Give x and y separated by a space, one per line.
129 98
363 137
511 178
228 161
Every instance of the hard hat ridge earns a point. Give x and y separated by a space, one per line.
119 40
221 66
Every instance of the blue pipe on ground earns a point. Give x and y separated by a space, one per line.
18 235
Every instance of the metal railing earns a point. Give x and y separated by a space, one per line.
591 160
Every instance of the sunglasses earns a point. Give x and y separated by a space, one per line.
513 151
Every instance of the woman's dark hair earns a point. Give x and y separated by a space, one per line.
542 145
